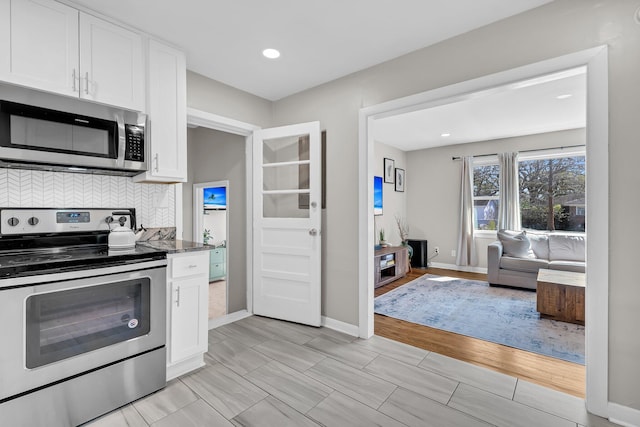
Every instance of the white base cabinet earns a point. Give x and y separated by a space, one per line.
187 311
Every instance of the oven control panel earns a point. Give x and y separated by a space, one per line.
17 221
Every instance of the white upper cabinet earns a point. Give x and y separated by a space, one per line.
39 45
111 64
167 110
53 47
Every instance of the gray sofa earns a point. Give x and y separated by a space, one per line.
511 263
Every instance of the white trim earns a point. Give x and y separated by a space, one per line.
624 415
336 325
467 268
597 308
228 318
224 124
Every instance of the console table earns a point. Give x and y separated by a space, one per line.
560 295
390 264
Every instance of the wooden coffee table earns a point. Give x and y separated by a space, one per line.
561 295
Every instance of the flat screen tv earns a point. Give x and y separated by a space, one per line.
215 198
377 195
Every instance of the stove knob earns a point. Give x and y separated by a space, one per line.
33 221
13 221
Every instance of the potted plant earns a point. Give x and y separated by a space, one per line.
206 235
383 243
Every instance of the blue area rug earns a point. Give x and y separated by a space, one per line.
473 308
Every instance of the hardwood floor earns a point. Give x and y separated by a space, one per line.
543 370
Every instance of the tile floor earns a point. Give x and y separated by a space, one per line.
264 372
217 299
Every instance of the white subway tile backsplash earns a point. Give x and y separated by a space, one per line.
25 188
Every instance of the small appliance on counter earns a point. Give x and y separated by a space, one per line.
121 236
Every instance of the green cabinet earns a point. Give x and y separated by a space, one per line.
217 264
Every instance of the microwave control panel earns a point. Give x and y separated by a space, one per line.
134 143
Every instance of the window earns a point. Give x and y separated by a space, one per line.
552 193
486 190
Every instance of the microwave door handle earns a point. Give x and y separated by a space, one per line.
121 140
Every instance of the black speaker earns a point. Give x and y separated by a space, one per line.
420 257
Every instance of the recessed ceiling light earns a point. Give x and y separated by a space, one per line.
564 96
444 135
271 53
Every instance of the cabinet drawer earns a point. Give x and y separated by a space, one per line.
216 270
189 266
217 255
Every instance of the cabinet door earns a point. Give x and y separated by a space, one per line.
111 64
39 45
167 109
188 311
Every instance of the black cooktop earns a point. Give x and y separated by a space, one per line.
40 256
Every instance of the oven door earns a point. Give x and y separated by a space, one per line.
54 330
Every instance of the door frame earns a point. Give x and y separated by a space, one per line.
597 291
207 120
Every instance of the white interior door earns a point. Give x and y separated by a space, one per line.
287 220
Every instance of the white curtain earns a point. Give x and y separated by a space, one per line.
466 247
509 207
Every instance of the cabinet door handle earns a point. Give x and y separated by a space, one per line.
178 296
73 77
86 79
157 162
192 265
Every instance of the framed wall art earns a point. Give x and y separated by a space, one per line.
389 166
399 180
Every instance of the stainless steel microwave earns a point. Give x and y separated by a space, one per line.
35 137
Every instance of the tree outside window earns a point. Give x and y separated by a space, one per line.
486 184
552 193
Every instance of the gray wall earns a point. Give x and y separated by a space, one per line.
220 156
433 204
555 29
394 202
215 97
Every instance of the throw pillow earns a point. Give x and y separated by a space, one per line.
515 244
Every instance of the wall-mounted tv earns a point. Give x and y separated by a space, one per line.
215 198
377 195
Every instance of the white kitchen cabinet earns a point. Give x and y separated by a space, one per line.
167 110
111 64
49 46
39 45
187 311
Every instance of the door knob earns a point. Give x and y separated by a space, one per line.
314 204
313 232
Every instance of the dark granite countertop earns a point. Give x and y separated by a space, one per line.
176 246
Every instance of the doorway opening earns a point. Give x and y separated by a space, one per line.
210 200
595 61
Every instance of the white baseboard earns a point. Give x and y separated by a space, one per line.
470 269
623 415
339 326
228 318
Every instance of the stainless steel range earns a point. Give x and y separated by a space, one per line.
82 326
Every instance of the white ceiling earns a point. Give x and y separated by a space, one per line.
319 40
523 108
